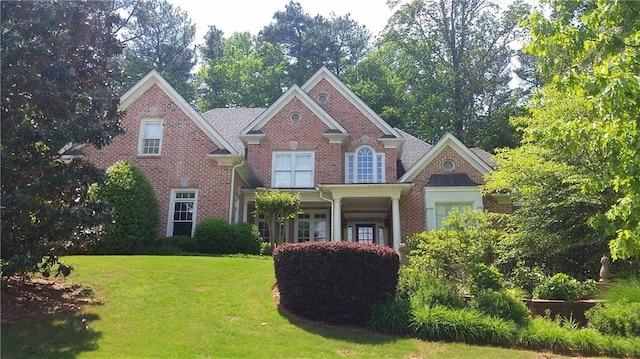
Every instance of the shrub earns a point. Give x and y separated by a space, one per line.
391 316
560 286
247 238
615 318
171 245
466 325
483 278
133 202
336 282
624 290
500 304
266 249
527 278
214 236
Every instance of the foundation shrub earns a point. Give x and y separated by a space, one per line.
502 305
216 236
247 238
335 282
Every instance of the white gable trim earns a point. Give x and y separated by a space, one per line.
154 78
324 73
447 140
294 91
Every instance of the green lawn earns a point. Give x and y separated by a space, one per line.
201 307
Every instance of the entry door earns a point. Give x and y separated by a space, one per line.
365 233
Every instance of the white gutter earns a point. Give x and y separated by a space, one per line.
330 201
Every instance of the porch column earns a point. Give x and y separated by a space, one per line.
336 227
245 209
395 211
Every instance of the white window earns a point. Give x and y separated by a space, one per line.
311 227
263 228
182 212
292 169
150 141
364 166
443 209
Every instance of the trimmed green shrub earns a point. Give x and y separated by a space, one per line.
391 316
615 318
336 282
247 238
133 202
483 277
214 236
266 249
500 304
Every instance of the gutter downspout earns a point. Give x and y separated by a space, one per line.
330 201
233 184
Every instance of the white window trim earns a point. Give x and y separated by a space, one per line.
285 228
141 138
172 205
355 165
312 221
445 195
293 168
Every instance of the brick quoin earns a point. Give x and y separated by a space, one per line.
183 154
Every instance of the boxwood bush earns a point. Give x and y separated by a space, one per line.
216 236
335 282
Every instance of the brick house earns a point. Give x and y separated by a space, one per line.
359 179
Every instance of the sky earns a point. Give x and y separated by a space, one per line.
252 15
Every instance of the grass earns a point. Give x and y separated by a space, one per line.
202 307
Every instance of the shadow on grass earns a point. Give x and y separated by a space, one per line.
60 336
352 334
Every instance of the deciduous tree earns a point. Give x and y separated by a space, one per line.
277 207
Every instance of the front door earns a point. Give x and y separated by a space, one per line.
365 233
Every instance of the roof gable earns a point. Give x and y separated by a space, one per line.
447 140
325 74
294 92
154 78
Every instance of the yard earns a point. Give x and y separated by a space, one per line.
200 307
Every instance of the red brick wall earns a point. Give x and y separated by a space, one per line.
184 150
412 206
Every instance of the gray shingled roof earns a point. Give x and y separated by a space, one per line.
230 122
413 149
485 156
453 179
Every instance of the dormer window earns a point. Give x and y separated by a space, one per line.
150 138
364 166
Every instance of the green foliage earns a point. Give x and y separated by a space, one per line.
216 236
564 287
483 278
266 249
132 200
502 305
624 290
171 246
527 278
391 316
469 238
587 54
277 207
58 84
159 36
615 318
464 325
336 282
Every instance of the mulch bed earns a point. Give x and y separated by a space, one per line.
34 296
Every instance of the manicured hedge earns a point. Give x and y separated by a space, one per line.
216 236
335 282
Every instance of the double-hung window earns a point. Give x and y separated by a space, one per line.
364 166
150 139
182 212
311 227
292 169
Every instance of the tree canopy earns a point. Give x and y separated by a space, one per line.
58 90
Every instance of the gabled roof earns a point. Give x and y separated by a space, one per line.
294 91
154 78
486 156
412 150
229 122
325 74
447 140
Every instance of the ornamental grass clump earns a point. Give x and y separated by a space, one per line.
335 282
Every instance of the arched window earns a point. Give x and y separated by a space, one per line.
364 166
